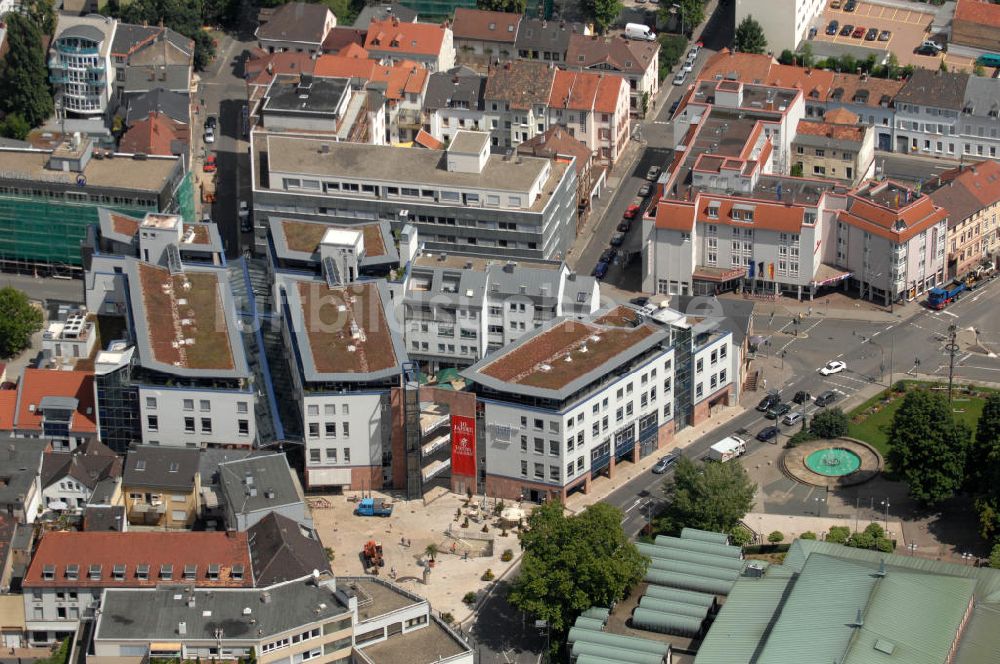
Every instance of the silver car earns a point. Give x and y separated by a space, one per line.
792 418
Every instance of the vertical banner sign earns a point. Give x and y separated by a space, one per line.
463 445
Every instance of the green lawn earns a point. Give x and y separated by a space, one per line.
875 428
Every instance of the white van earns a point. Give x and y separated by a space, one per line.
639 31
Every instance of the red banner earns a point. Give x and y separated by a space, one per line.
463 445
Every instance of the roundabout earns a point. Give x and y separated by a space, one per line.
832 463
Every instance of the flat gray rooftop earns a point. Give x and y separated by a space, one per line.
150 174
155 614
317 95
375 599
287 154
423 646
469 142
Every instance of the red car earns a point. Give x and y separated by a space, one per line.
631 211
858 33
209 166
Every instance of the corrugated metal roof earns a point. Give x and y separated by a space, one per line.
743 620
981 639
704 535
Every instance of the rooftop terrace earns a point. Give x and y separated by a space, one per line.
306 236
422 646
477 263
185 318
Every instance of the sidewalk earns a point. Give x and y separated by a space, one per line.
627 471
833 305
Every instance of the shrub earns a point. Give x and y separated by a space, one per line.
838 534
740 536
809 535
995 556
775 537
885 545
860 540
447 618
488 575
874 530
507 556
829 423
470 598
800 437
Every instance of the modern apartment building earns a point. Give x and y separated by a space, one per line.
345 354
70 569
80 64
785 24
463 198
971 195
457 309
162 486
571 399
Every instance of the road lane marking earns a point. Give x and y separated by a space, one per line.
949 313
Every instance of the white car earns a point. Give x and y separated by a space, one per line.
209 135
688 66
833 367
681 76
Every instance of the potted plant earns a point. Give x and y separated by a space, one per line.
431 551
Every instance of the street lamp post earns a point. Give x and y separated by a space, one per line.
912 546
680 12
952 348
885 504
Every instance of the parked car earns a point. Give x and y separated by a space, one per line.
673 107
607 255
631 211
872 34
664 464
768 433
885 35
601 270
859 32
212 122
812 33
624 225
835 4
833 367
646 189
850 6
209 166
792 418
777 411
832 27
680 77
846 30
653 173
768 402
206 217
930 43
209 134
826 398
926 50
802 397
617 239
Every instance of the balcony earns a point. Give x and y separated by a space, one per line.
77 50
158 509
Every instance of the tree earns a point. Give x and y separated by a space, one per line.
604 12
692 13
19 319
513 6
750 37
672 49
829 423
571 563
983 467
776 537
995 556
838 534
184 16
24 83
42 13
928 447
15 126
808 535
709 496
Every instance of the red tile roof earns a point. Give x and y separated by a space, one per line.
872 207
39 383
60 549
425 140
262 69
574 90
340 37
8 407
967 190
394 36
618 53
400 79
482 25
837 132
978 11
157 134
675 216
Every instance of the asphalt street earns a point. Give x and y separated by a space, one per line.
875 352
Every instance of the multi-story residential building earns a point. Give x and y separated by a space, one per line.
454 101
257 486
48 199
56 406
868 98
69 338
299 27
979 125
313 617
784 24
637 61
594 108
428 44
282 549
975 26
546 41
484 36
80 64
70 569
556 143
516 101
971 195
345 355
162 486
929 113
137 46
69 480
571 399
462 199
457 309
21 472
892 240
157 134
322 104
842 150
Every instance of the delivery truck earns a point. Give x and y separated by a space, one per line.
728 448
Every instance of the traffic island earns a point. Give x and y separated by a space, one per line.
832 463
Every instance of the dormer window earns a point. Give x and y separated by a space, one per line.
142 572
95 573
119 572
73 572
49 573
190 572
713 211
237 572
213 571
167 572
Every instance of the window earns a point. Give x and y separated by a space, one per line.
243 426
539 446
204 405
189 404
554 448
151 403
241 407
524 468
524 443
312 409
190 572
118 571
142 572
153 422
345 427
73 572
213 571
95 573
189 425
49 572
699 365
554 473
166 572
331 430
206 425
540 471
347 455
699 391
237 571
314 456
